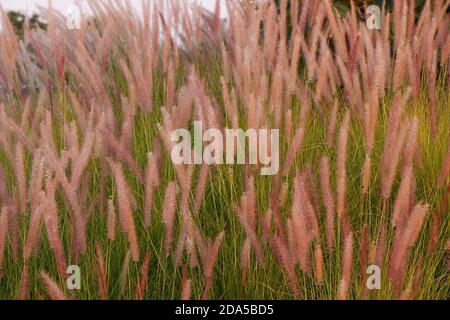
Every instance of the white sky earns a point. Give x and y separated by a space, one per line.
62 5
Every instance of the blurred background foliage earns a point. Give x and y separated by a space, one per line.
18 21
342 6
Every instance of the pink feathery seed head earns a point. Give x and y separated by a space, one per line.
291 239
347 258
170 87
366 171
328 199
151 181
267 225
303 241
33 232
153 167
53 290
83 157
311 186
169 210
111 226
36 177
343 290
242 208
79 226
125 209
318 263
402 201
293 150
380 251
411 144
180 247
415 223
121 152
14 228
249 230
288 125
394 131
186 285
102 282
388 179
210 259
3 233
51 219
287 263
364 250
21 177
24 283
142 284
308 209
201 186
341 165
445 171
251 201
245 260
331 127
186 183
284 193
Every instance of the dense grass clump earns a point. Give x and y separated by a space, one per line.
87 179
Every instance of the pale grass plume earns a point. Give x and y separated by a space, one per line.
14 227
242 213
380 251
51 219
124 274
328 200
201 186
3 235
318 264
83 157
302 236
21 177
410 148
293 150
405 241
307 207
168 215
331 126
209 257
347 259
284 193
364 252
25 283
445 171
245 260
142 284
287 263
101 270
341 166
125 209
52 288
366 172
186 285
402 201
151 181
32 239
343 290
391 170
111 224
